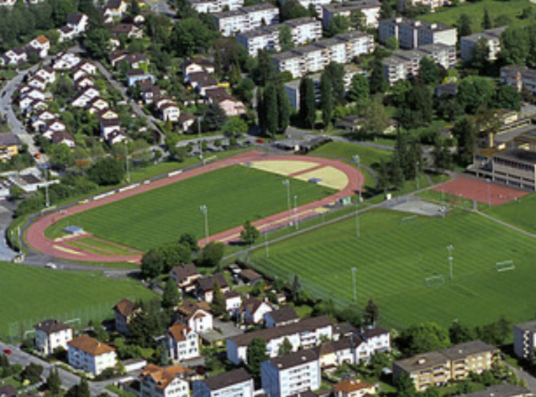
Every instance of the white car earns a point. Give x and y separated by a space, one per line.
51 265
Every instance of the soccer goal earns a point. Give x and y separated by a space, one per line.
408 219
435 281
505 266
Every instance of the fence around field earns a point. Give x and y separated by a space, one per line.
16 331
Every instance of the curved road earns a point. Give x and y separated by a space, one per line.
35 233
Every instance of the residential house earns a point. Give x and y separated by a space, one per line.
353 387
196 65
158 381
52 126
137 61
229 104
204 286
186 121
9 145
236 383
291 374
37 82
233 302
149 92
90 355
117 56
84 98
42 44
491 38
46 73
97 105
107 126
369 341
123 314
184 276
169 112
202 81
51 334
127 29
246 18
87 67
335 353
525 340
441 366
63 137
182 342
304 334
369 9
77 22
253 310
135 75
250 276
411 34
281 317
107 114
15 56
66 61
66 33
196 315
78 73
114 9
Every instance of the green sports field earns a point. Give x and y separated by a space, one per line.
232 194
520 213
29 295
394 259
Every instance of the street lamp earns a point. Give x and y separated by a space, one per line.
357 161
286 182
296 211
199 119
126 162
353 278
450 248
266 247
417 174
203 208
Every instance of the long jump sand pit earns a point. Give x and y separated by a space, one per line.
328 176
282 167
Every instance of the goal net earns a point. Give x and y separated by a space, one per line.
435 281
505 266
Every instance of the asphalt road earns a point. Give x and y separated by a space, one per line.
68 379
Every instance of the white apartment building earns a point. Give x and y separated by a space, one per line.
52 334
369 8
246 18
163 382
90 355
212 7
291 374
236 383
404 64
303 30
304 334
432 4
525 339
317 4
314 57
411 34
521 77
182 342
491 37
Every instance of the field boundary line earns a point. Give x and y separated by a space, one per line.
515 228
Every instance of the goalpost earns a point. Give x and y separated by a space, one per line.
435 281
504 266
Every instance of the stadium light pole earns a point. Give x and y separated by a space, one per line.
203 208
357 161
296 211
357 226
199 119
266 247
450 248
286 182
353 278
47 174
126 162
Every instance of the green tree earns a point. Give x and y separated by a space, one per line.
83 388
283 106
171 297
375 117
235 126
405 386
261 113
423 338
372 312
16 192
336 72
465 133
107 171
475 93
218 306
359 89
285 38
285 348
430 72
326 100
148 322
189 240
508 97
358 20
151 264
54 383
464 25
292 9
307 102
338 24
487 21
255 355
515 46
459 333
264 71
249 233
378 83
97 42
214 119
211 254
271 108
392 43
32 373
191 36
442 156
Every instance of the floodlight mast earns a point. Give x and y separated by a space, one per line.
353 278
204 210
357 161
286 182
450 248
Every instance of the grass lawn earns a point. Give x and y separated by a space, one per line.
475 11
30 295
520 213
232 195
368 156
393 261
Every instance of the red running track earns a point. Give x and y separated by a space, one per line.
35 234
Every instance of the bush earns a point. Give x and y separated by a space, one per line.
106 172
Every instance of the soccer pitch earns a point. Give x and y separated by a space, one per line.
30 295
232 195
394 259
520 213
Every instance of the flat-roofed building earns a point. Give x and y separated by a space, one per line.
525 339
492 39
246 18
370 9
412 34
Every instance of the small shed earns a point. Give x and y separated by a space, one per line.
73 230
